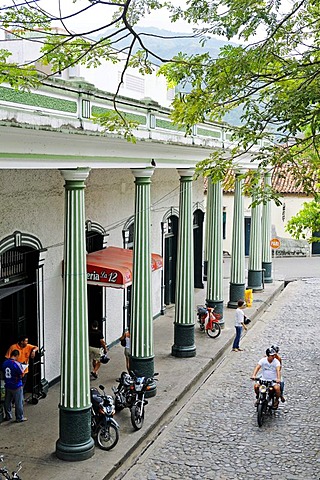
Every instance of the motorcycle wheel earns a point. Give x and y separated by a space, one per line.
215 330
260 413
107 437
136 417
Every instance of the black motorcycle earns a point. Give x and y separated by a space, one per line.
103 426
266 399
4 472
130 393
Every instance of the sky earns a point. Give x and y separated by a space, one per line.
96 15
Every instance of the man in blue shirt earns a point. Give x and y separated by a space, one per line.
13 372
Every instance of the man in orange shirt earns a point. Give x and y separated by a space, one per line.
26 351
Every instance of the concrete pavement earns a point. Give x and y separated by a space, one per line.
33 442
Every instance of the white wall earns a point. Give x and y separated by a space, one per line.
292 206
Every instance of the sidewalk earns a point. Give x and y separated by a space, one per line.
33 442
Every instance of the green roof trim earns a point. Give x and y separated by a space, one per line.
208 133
37 100
140 119
161 123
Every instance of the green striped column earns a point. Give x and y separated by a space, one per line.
141 328
215 250
184 310
266 234
207 228
255 250
75 442
237 273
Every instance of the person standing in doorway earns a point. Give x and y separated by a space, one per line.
26 351
239 324
96 343
13 373
126 343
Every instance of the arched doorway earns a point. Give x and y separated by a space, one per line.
198 218
21 299
95 241
170 258
128 236
247 229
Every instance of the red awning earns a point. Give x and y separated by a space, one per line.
112 267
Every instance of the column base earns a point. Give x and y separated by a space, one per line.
75 442
184 346
255 280
236 292
144 367
218 308
267 267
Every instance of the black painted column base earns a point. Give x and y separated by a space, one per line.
184 346
144 366
75 442
236 292
267 267
218 308
255 280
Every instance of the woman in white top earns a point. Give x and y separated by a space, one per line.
238 323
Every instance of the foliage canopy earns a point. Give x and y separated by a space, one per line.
273 75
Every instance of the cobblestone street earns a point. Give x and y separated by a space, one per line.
216 436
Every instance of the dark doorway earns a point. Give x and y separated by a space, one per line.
315 248
170 260
128 243
247 229
94 243
198 217
18 310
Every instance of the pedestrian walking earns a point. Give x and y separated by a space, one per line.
96 345
26 351
239 324
13 373
125 341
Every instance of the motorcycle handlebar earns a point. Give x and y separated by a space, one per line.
257 379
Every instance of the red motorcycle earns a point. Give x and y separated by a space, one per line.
209 321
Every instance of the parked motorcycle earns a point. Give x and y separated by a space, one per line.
266 399
4 473
209 321
130 393
103 426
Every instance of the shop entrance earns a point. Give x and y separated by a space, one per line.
18 300
198 217
94 243
247 230
170 261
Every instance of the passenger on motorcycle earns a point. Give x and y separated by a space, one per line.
278 357
270 370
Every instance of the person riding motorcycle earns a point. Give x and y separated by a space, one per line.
270 370
278 357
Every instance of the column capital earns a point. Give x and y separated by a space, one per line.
186 172
75 174
142 172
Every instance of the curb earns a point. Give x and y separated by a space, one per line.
151 433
